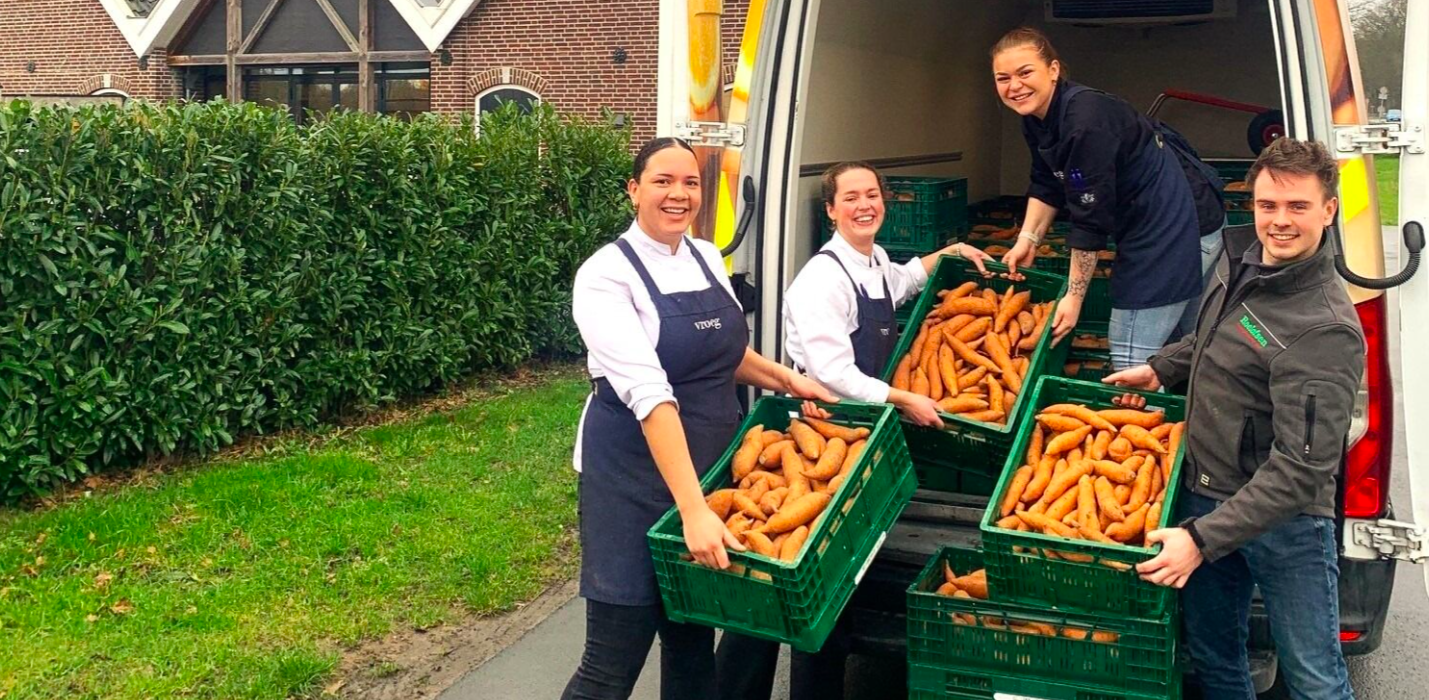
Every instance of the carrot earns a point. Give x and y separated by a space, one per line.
797 513
947 588
790 550
1020 479
769 437
851 458
1161 431
810 443
903 375
959 404
1153 517
720 502
1123 495
1066 503
948 575
1119 449
758 490
988 416
1058 423
1068 440
1010 309
1086 500
830 462
949 328
969 305
972 378
961 290
1012 522
935 374
1141 437
1131 416
738 524
747 456
775 480
1173 443
973 330
1107 500
760 544
1063 481
1081 413
1034 449
833 430
1115 472
772 453
947 369
1042 474
920 382
1026 321
974 583
772 500
794 474
1029 341
962 350
994 394
1128 529
1051 526
1141 488
1100 445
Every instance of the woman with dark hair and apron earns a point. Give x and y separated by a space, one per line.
839 327
1120 181
667 344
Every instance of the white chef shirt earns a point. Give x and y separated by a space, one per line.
618 320
821 312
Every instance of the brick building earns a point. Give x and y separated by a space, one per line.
391 56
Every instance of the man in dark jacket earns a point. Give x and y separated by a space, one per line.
1270 377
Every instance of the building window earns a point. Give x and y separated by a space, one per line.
305 91
490 99
404 90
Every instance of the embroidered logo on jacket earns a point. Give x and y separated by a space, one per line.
706 325
1252 331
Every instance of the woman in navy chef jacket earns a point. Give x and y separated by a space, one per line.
1103 161
667 343
839 327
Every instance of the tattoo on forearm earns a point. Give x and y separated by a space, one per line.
1084 263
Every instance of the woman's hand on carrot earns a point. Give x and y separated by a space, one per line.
707 537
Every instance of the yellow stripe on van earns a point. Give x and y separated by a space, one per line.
724 221
1354 187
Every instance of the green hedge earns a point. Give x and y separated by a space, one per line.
175 276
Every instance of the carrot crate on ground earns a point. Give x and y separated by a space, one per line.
997 639
796 602
1034 568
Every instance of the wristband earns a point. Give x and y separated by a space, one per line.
1029 236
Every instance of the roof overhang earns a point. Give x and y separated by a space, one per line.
431 20
151 30
434 20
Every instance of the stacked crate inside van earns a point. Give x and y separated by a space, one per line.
995 224
923 214
1051 606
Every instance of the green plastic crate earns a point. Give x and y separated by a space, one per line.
922 214
936 683
794 602
1015 563
977 450
1142 660
1088 370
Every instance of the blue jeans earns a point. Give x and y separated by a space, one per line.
1137 334
1211 246
1296 566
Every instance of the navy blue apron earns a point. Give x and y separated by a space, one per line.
1158 253
703 337
877 334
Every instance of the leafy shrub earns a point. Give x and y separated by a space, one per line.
174 276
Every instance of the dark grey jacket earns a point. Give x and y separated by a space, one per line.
1270 378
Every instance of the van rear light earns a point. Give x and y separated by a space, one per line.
1372 426
1348 636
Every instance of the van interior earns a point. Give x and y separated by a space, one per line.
913 78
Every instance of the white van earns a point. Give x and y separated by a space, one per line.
906 84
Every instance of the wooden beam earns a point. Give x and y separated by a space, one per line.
366 92
235 39
339 25
399 56
208 60
259 26
270 59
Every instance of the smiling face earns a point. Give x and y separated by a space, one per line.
1291 213
1025 82
857 210
667 196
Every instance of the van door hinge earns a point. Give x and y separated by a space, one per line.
714 134
1392 539
1379 139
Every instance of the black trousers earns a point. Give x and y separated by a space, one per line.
617 641
746 668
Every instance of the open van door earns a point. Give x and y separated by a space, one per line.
1414 295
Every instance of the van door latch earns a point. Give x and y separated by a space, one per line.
713 134
1392 539
1379 139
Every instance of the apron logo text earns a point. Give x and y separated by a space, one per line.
706 325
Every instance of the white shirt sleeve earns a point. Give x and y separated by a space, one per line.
819 310
905 281
605 313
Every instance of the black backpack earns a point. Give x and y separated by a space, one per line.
1206 185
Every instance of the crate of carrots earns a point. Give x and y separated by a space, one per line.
957 621
1084 483
975 345
811 500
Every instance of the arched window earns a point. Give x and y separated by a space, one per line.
490 99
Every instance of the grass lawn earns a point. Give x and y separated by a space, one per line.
1386 175
245 577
